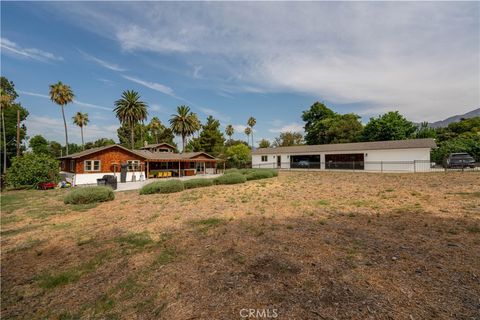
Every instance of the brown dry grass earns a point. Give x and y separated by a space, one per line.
311 245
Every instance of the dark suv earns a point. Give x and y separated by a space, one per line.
459 160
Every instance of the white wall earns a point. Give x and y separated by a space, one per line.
91 178
374 159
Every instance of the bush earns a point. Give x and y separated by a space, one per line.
197 183
259 174
32 169
233 170
230 178
168 186
89 195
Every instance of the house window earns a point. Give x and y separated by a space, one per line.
264 158
92 165
72 165
133 165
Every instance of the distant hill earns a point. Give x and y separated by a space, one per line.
446 122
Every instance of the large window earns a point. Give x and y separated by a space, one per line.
264 158
92 165
133 165
72 165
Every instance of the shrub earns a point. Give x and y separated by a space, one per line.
259 174
232 170
230 178
197 183
168 186
32 169
89 195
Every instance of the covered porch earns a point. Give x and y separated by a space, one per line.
159 168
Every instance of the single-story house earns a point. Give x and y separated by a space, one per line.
150 161
395 155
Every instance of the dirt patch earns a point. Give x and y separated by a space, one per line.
309 245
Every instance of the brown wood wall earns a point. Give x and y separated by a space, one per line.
107 157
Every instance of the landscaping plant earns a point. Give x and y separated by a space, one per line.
89 195
168 186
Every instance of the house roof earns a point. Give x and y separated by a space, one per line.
148 155
358 146
87 152
156 145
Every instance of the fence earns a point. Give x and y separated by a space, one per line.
371 166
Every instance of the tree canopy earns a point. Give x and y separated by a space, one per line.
389 126
287 139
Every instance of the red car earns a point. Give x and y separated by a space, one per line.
46 185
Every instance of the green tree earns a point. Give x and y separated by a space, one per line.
130 110
183 123
264 143
81 119
234 142
251 123
55 149
469 143
211 139
287 139
229 131
342 128
389 126
39 145
102 142
248 132
32 169
425 131
314 127
238 156
62 94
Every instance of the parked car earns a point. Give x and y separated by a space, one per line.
459 160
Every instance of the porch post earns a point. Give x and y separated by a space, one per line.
148 170
204 167
179 170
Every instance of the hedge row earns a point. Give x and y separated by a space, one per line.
89 195
231 176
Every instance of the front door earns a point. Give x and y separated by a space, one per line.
279 161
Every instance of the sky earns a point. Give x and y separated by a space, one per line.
234 60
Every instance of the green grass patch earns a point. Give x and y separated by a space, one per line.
89 195
197 183
27 228
165 257
136 240
168 186
83 207
322 202
473 229
259 174
206 224
230 178
52 280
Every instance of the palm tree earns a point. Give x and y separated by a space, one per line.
196 124
81 120
130 110
229 130
248 131
62 94
251 123
155 126
183 123
5 102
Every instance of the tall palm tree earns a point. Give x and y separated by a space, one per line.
62 94
81 120
229 130
197 124
5 102
155 126
183 123
251 123
248 131
130 110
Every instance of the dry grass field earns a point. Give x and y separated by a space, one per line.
317 245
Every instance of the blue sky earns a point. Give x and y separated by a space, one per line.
235 60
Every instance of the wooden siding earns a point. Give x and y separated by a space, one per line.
107 158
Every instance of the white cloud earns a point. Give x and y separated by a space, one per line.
29 53
292 127
152 85
418 57
103 63
214 113
52 129
80 103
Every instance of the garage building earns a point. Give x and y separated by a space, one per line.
396 155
